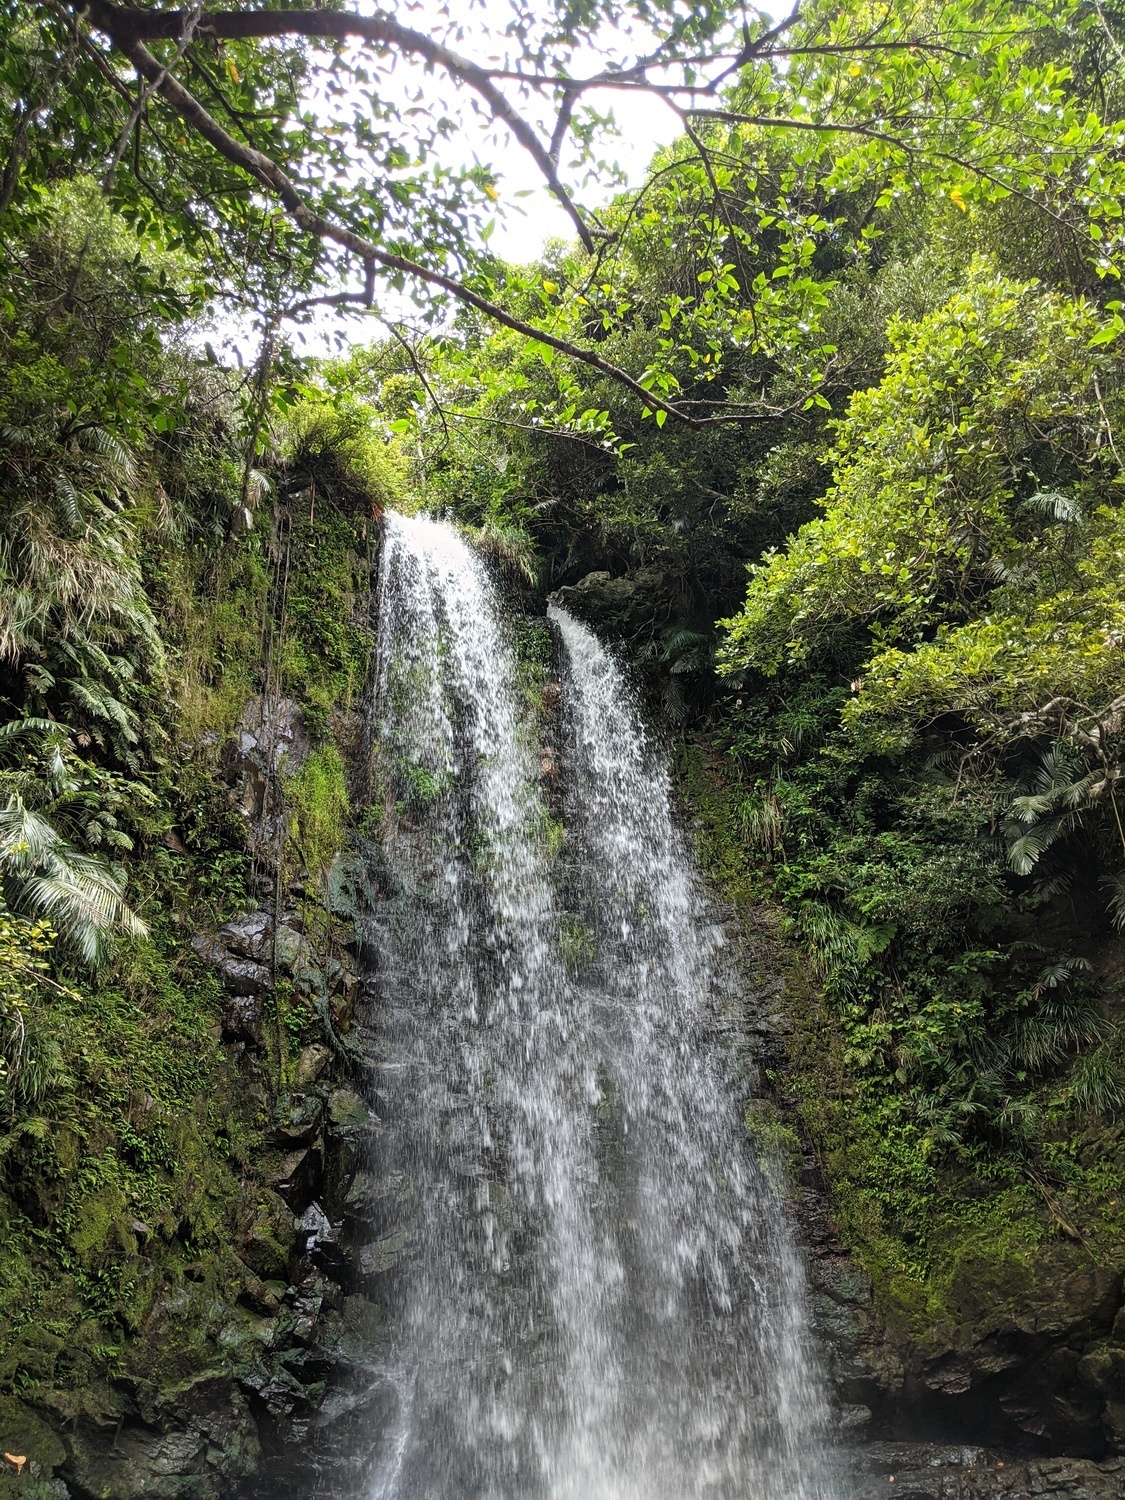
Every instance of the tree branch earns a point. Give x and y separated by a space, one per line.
562 124
269 175
143 91
127 26
416 364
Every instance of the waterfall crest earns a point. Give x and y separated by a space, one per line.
591 1290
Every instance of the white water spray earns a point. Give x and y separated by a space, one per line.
591 1290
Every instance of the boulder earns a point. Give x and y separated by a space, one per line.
297 1117
312 1062
617 605
243 1018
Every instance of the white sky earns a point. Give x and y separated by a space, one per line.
476 31
525 224
527 213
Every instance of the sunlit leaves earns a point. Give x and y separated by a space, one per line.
973 101
934 535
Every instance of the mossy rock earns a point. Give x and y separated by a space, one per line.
347 1110
776 1145
28 1486
23 1432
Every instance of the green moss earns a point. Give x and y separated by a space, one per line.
553 834
534 645
326 636
123 1180
423 786
98 1214
317 797
22 1432
213 605
777 1145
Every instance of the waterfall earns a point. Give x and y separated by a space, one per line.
591 1292
724 1400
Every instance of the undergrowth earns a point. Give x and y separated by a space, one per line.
943 1226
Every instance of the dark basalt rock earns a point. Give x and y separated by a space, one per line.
271 738
930 1471
240 975
196 1442
1043 1371
298 1117
618 606
249 936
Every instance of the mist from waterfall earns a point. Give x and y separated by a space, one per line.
591 1289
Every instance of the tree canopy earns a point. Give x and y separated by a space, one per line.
295 152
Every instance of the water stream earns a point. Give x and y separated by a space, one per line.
592 1291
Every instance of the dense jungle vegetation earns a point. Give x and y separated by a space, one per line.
860 332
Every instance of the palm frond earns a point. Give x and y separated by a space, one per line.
1025 851
42 873
1114 887
1057 506
15 728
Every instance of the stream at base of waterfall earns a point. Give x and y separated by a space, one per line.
595 1293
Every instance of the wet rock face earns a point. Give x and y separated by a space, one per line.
932 1471
301 1300
270 739
233 1364
200 1440
250 953
1043 1371
297 1327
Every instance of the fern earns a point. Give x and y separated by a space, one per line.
1114 887
45 876
1097 1081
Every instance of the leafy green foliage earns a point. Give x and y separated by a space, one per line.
796 136
78 893
135 615
920 748
945 509
25 984
939 1080
340 446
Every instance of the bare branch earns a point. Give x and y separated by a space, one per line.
357 300
416 365
144 90
562 124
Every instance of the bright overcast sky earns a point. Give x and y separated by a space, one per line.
525 224
528 215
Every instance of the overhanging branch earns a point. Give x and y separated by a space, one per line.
270 176
128 26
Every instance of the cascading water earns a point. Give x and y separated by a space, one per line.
591 1291
723 1398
